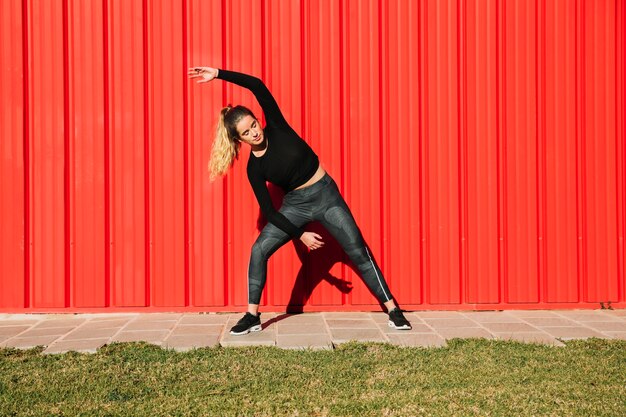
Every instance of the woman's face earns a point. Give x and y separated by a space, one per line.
250 131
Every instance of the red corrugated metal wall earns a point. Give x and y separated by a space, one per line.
479 143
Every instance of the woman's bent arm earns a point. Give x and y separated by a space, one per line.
259 186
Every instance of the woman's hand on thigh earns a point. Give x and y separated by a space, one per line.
312 240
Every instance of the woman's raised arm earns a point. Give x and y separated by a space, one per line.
272 112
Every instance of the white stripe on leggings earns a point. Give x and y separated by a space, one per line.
379 282
248 274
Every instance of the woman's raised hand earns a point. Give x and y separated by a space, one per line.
205 74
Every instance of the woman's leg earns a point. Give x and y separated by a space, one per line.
338 220
268 242
270 239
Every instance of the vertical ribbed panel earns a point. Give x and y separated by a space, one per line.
440 152
479 144
127 156
47 154
86 153
166 157
481 152
560 154
207 207
599 157
13 112
521 166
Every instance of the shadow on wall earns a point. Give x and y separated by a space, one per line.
315 265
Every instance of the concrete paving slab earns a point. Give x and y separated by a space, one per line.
339 335
193 329
113 316
417 340
306 318
618 313
83 333
187 342
587 315
567 333
616 335
29 342
533 313
464 332
106 324
63 322
602 326
150 325
160 316
11 331
509 327
304 341
437 314
47 331
19 322
549 321
301 329
150 336
204 319
491 317
343 315
446 323
530 337
84 346
351 323
19 316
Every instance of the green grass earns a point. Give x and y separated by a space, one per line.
468 377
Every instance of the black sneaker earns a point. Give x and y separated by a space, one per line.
248 323
397 320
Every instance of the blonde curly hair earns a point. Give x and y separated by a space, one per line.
226 144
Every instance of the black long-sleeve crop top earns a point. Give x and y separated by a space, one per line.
288 161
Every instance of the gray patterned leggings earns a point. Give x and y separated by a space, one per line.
321 202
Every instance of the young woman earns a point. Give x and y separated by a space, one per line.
280 156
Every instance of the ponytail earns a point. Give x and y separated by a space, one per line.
225 148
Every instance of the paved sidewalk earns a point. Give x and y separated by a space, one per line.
184 331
